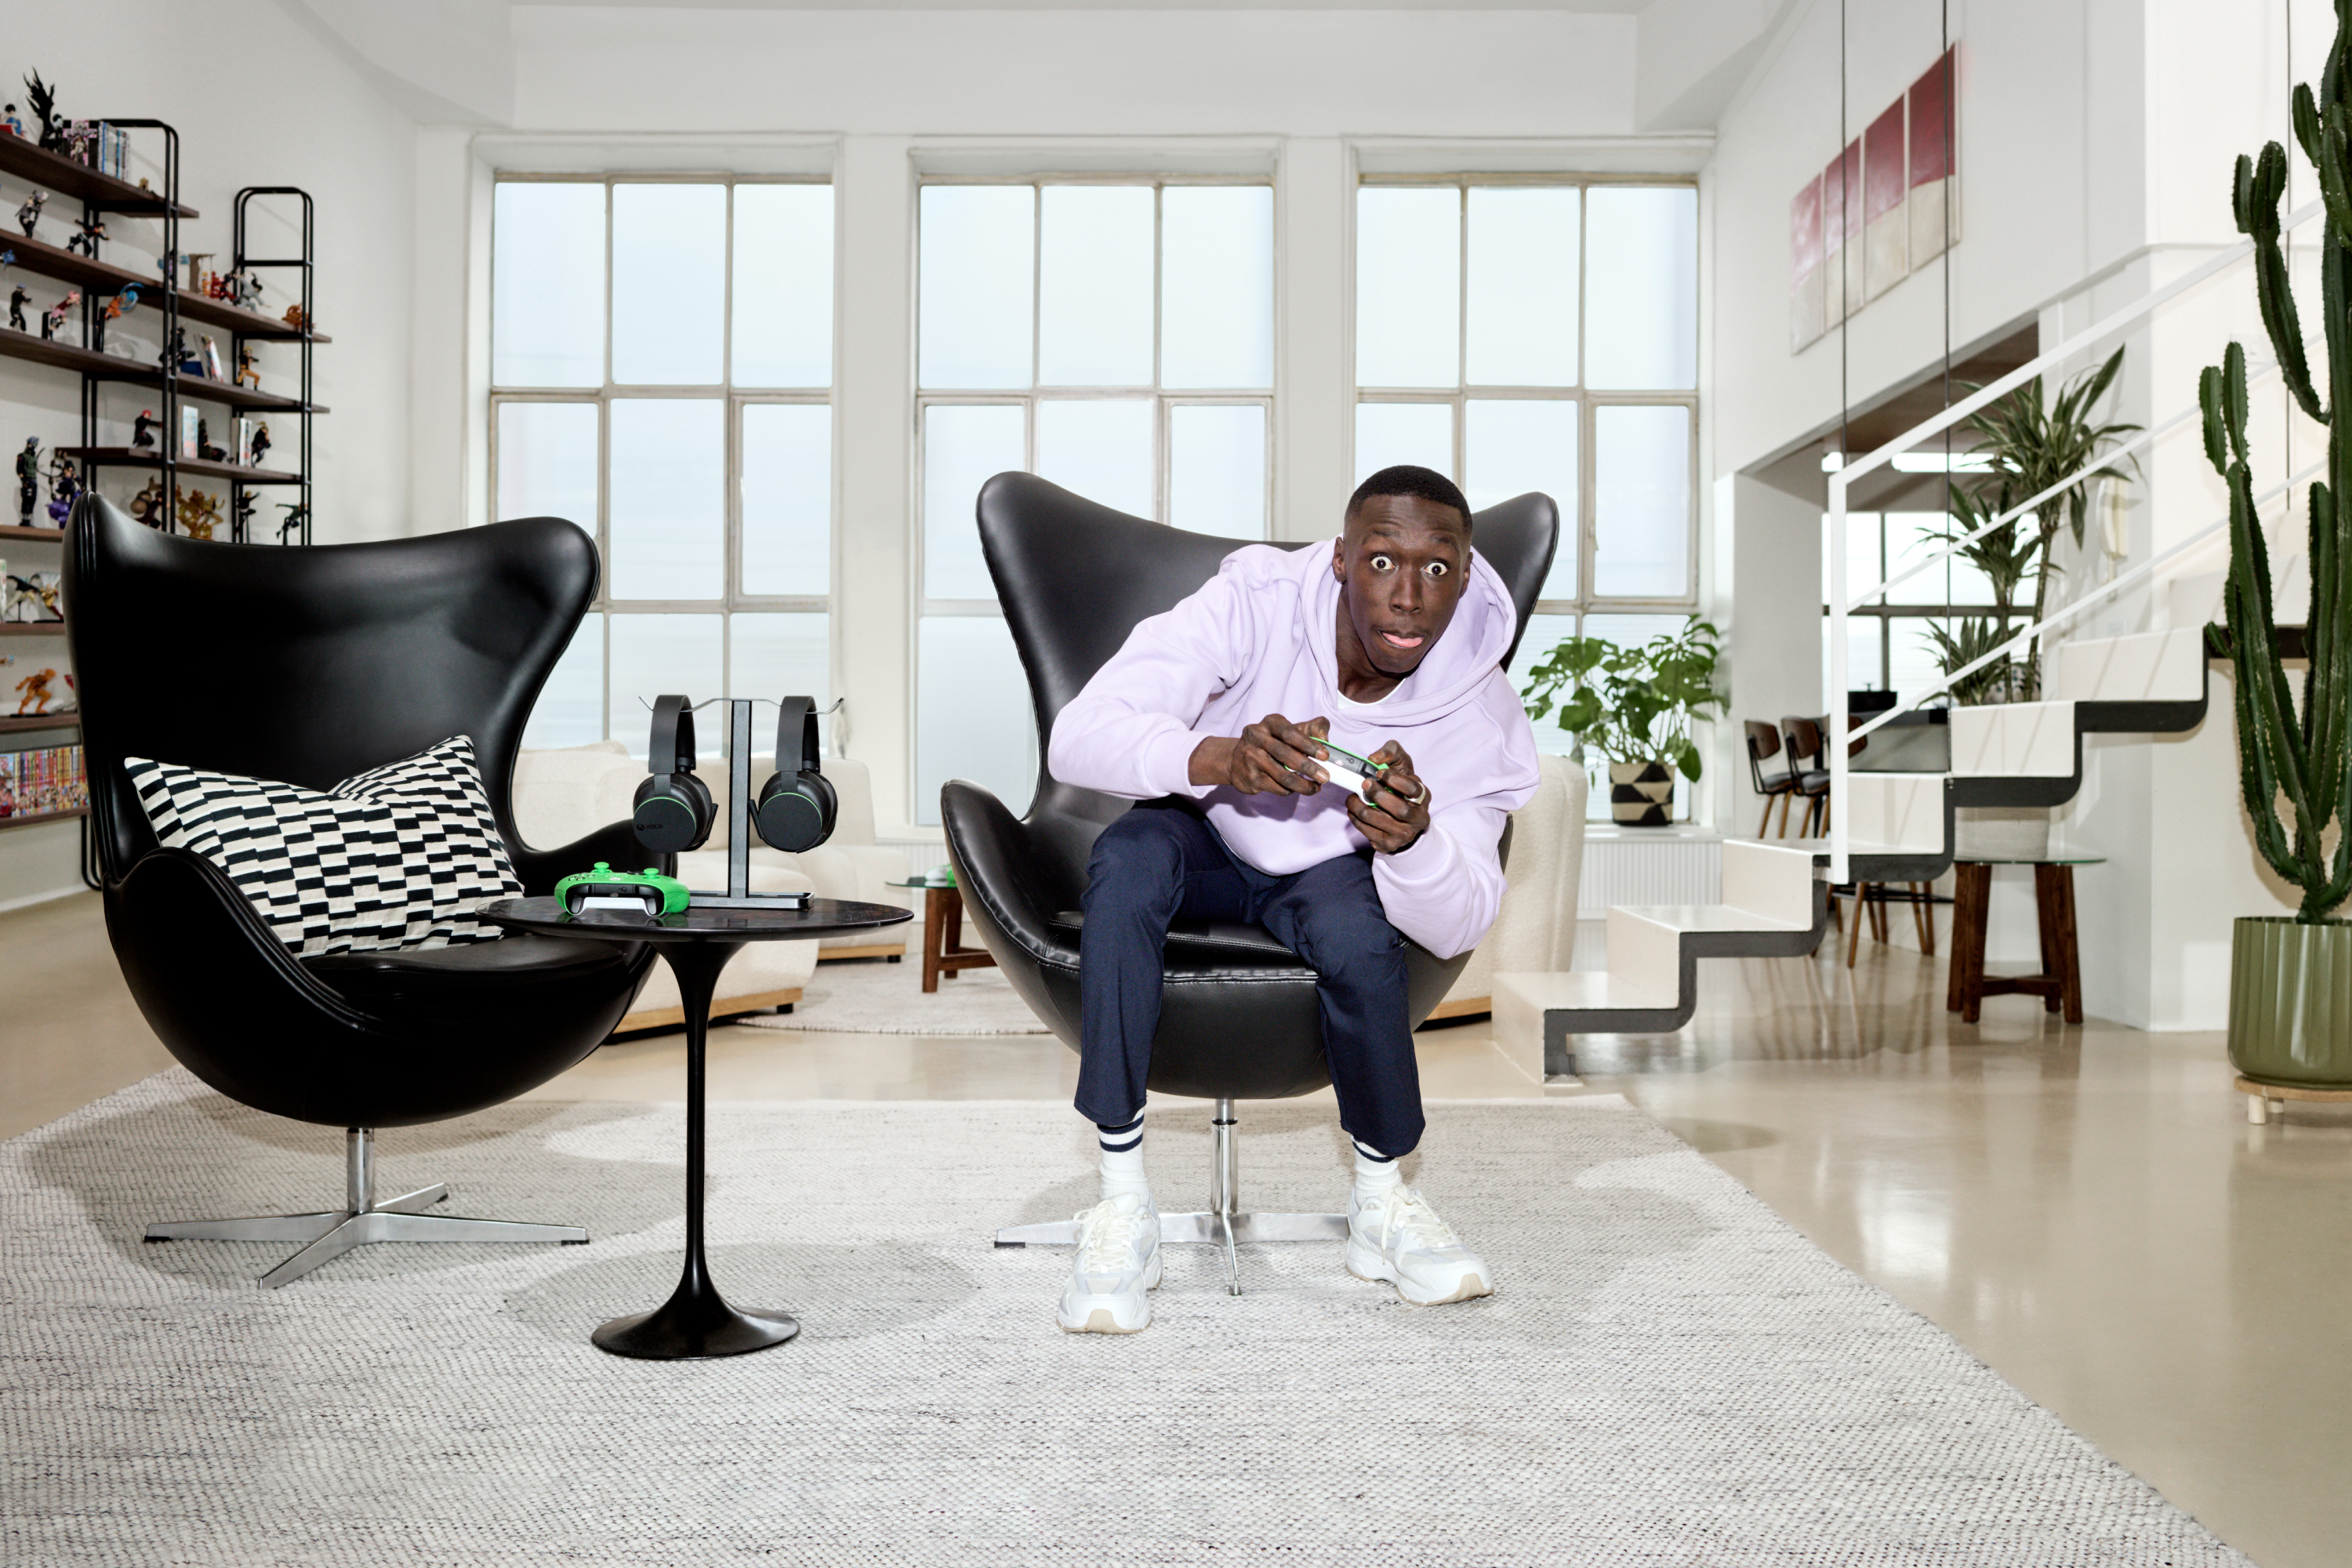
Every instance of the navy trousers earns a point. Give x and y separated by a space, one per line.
1156 863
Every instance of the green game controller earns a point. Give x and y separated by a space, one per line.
607 891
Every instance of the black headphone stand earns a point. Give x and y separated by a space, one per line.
739 894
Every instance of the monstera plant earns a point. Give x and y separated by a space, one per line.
2291 978
1636 707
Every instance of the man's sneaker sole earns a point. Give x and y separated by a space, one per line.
1367 1264
1102 1311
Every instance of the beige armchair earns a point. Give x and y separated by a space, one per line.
1535 929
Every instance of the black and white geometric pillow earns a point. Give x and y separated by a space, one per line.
400 856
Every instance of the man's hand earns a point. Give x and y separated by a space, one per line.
1397 814
1273 755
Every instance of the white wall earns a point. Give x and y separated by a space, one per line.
257 101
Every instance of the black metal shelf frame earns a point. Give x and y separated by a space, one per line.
241 261
168 304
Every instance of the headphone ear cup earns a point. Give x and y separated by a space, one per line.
672 813
706 810
793 817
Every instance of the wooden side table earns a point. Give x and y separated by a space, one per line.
2059 984
944 954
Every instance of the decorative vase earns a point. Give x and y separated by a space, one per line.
2001 833
1641 794
2291 1002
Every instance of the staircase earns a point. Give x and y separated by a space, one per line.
1898 828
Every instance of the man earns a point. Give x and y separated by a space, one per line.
1390 644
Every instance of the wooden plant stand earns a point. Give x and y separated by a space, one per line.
2265 1100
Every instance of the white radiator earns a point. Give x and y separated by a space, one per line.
1648 865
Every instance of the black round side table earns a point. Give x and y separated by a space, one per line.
696 1321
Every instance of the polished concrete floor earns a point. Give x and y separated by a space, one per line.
2084 1208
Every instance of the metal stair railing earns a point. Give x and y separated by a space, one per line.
1838 740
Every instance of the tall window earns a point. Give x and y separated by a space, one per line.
1116 337
1543 335
1891 645
661 367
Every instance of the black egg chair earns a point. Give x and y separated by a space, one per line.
1238 1016
308 666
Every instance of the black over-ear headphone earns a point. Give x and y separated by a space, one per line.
673 809
796 807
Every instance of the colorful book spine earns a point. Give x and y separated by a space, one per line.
42 782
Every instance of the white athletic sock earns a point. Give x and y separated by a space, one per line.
1376 1174
1122 1160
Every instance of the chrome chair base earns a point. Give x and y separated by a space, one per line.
329 1235
1219 1224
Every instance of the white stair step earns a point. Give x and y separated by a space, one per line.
2013 740
1522 999
1774 880
1896 813
2148 666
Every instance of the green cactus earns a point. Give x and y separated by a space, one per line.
2295 764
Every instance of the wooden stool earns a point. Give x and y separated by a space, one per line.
2059 984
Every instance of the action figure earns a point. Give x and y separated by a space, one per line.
28 481
84 242
298 513
42 100
35 687
80 139
298 318
65 484
39 596
244 371
18 298
11 124
199 514
260 442
205 448
53 320
147 505
178 354
242 509
28 216
125 301
143 429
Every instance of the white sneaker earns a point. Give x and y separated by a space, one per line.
1118 1262
1399 1237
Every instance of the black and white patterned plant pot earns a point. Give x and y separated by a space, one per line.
1641 794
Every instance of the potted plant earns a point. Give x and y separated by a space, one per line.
2032 442
2291 977
1636 707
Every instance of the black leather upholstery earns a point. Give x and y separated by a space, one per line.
1238 1015
310 666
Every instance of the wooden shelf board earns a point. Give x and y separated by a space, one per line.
10 532
143 457
44 259
60 175
32 628
38 818
18 723
65 356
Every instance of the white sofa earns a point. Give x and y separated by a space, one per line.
1535 929
560 794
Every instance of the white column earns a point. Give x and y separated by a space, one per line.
1313 401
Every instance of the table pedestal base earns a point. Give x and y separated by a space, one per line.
695 1324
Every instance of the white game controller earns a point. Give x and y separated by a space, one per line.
1354 780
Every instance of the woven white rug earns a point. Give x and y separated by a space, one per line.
1667 1374
874 997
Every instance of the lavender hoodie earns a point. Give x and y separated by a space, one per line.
1258 639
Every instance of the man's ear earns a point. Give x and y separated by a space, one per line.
1340 558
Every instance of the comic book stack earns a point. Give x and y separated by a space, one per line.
36 782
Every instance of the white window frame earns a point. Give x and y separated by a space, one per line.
732 598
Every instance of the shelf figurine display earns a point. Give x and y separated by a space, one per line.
297 515
246 374
84 240
143 429
196 260
205 448
148 507
80 138
242 505
28 481
34 693
65 484
200 514
258 444
53 320
18 298
41 98
33 601
179 355
8 121
125 301
298 318
28 216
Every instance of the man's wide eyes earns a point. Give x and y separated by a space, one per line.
1388 564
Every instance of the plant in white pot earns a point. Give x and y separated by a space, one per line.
2033 445
2291 977
1636 707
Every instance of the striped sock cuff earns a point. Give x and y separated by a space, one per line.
1119 1140
1369 1152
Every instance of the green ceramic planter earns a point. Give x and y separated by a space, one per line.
2291 1002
